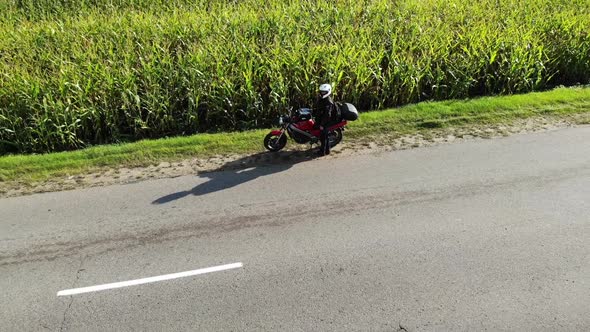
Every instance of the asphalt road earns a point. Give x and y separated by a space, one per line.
479 235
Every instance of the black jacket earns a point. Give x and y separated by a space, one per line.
325 111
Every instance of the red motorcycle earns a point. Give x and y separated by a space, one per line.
299 125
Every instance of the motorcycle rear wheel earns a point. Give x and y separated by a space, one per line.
334 137
273 143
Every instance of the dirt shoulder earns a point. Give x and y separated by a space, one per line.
366 145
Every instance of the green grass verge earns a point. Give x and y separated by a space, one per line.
485 110
405 120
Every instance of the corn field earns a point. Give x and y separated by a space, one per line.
87 72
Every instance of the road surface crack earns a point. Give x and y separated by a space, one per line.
402 328
65 316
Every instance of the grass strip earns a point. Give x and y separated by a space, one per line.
409 119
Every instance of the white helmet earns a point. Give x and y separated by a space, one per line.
325 90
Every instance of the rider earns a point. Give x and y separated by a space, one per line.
326 114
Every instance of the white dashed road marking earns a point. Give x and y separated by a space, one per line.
142 281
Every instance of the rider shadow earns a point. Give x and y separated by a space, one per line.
240 171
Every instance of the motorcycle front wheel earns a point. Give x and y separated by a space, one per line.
273 143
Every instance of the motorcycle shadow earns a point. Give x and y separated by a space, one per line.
237 172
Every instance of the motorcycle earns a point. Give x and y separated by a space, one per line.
300 127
